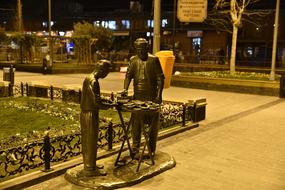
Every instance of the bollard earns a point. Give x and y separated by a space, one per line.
47 156
281 86
110 136
51 92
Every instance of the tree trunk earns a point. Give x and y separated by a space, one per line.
233 50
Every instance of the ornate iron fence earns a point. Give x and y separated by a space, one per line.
61 148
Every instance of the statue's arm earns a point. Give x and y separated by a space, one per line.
160 80
128 78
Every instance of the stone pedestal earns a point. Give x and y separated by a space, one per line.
121 176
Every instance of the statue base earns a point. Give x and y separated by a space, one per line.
123 175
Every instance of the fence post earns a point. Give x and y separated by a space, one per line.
79 96
27 89
281 86
22 89
47 156
110 136
51 92
10 89
184 115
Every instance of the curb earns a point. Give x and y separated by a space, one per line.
40 176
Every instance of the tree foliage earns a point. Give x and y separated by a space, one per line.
27 45
88 39
3 36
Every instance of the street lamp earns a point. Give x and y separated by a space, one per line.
274 46
20 17
156 27
49 34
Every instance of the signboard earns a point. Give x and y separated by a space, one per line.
194 33
192 10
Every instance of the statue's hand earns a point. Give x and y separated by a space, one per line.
158 100
124 93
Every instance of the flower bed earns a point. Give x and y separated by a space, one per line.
241 82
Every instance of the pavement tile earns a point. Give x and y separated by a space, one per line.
239 146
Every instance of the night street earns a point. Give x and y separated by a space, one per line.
240 145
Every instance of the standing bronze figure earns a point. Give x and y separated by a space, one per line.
148 80
90 104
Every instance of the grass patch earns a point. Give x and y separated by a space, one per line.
16 121
227 75
32 116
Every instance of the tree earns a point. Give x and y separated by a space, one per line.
27 44
3 36
88 39
233 11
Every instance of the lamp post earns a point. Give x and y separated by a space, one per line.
156 27
174 24
20 17
49 34
274 46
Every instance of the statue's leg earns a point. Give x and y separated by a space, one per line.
136 132
154 126
89 132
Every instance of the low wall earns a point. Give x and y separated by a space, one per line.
270 88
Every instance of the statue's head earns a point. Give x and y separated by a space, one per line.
141 46
103 68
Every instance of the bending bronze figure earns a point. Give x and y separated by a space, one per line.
90 104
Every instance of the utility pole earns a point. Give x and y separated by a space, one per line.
174 24
156 27
274 46
19 16
49 34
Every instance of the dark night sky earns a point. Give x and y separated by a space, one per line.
100 4
38 7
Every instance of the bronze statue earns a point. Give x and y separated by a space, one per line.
90 104
148 80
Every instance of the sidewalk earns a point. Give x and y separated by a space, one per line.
240 145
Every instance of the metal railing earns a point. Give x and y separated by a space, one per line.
44 151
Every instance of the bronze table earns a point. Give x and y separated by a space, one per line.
140 108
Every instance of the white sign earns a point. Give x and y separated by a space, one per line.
192 10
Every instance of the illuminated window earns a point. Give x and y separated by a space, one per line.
112 25
148 34
61 33
126 24
250 51
164 22
96 23
150 23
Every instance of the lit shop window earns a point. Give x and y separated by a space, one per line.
148 34
150 23
96 23
164 23
249 51
111 24
45 24
126 24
